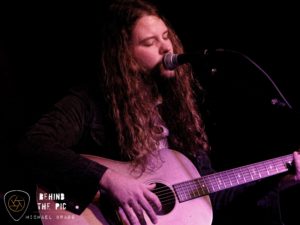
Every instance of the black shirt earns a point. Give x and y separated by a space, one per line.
79 123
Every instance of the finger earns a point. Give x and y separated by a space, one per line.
151 186
297 162
296 155
151 197
138 211
149 210
123 217
130 215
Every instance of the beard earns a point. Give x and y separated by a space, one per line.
158 75
165 73
159 81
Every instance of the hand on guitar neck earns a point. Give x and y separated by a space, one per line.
293 178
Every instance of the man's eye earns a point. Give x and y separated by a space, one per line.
149 42
166 36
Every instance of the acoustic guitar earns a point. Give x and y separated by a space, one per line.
180 188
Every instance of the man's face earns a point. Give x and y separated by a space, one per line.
150 41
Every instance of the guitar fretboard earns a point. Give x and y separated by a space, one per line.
230 178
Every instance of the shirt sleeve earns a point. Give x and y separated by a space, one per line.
49 157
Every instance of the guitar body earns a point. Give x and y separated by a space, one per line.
172 167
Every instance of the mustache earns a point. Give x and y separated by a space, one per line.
149 74
154 77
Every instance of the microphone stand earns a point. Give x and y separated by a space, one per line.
274 101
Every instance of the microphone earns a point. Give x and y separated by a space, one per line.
171 61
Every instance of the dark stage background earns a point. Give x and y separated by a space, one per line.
46 48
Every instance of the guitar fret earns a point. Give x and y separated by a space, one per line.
255 173
202 187
282 164
270 168
279 165
196 188
273 168
237 176
266 168
219 182
276 167
286 161
213 187
230 178
251 174
181 192
213 182
193 190
233 177
242 175
185 193
263 171
227 181
190 189
207 184
216 183
246 174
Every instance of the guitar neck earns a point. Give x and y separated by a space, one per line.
230 178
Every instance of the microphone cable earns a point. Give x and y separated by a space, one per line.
274 101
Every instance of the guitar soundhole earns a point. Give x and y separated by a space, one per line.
166 197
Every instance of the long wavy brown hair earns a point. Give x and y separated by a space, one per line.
132 94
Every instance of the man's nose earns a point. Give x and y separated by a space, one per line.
165 47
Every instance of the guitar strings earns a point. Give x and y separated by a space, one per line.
196 188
